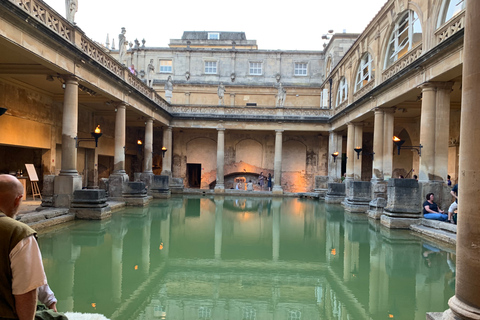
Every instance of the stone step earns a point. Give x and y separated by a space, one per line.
439 234
42 224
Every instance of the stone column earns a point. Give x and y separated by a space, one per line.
442 123
68 180
69 128
120 128
378 136
277 167
466 302
334 167
427 133
187 97
357 160
167 159
148 147
147 175
388 122
119 178
232 99
220 187
350 152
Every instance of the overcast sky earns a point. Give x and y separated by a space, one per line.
286 25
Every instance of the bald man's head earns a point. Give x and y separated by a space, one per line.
11 193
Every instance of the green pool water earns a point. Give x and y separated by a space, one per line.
245 258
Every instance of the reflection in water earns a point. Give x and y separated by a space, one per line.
245 258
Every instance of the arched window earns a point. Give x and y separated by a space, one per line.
342 91
406 35
449 9
365 71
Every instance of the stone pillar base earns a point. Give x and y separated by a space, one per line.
48 191
147 178
138 202
92 213
376 208
356 206
398 222
358 196
460 311
277 190
160 187
64 186
90 204
335 192
176 185
219 188
116 184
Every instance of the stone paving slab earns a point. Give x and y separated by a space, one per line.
438 234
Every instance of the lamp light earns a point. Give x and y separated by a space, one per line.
97 133
164 150
358 150
335 155
399 143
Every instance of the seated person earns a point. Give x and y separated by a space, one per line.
431 209
454 205
250 185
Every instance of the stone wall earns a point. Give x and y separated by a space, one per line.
304 156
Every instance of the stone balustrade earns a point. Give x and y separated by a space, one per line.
403 62
250 112
453 26
50 18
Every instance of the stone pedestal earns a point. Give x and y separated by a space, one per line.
90 204
376 208
321 186
403 204
335 192
64 186
116 185
358 196
160 187
379 196
176 185
443 198
135 194
147 178
48 191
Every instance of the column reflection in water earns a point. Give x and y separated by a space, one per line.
224 257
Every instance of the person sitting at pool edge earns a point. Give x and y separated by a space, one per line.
431 209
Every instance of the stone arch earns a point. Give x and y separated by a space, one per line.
249 151
403 163
294 156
